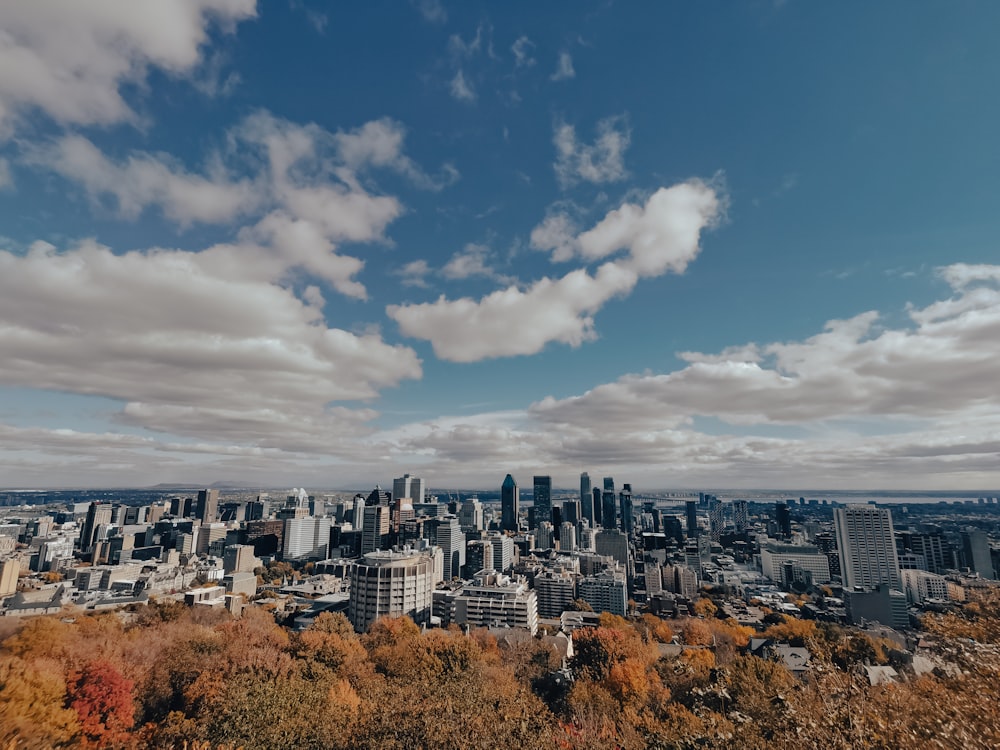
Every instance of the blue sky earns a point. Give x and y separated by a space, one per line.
694 245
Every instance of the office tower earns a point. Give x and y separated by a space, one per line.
451 540
691 514
239 558
775 554
510 501
609 513
555 590
741 516
598 510
391 584
783 518
716 519
378 496
208 505
407 486
586 498
478 556
542 499
625 501
98 514
571 511
976 550
613 543
375 528
180 507
306 538
503 552
470 515
567 537
545 537
867 546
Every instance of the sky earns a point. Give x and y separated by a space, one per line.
690 245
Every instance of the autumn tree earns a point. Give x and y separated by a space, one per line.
102 700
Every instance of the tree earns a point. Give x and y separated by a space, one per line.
102 700
579 605
32 714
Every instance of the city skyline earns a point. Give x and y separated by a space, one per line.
686 247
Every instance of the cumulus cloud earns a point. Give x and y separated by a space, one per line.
71 60
193 344
944 364
309 188
564 68
471 261
414 273
145 179
557 233
602 161
660 236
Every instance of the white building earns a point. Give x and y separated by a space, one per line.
451 540
306 538
494 600
391 584
605 592
921 586
867 547
774 554
503 552
555 590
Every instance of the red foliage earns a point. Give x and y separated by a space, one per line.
102 699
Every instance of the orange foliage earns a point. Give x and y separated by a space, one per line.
102 700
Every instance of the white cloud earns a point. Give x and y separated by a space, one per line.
461 89
193 344
945 365
557 233
660 236
603 161
522 52
470 261
145 179
564 68
70 60
414 273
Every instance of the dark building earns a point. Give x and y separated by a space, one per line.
625 501
509 504
542 499
691 512
571 511
783 518
208 506
587 498
598 510
267 537
609 513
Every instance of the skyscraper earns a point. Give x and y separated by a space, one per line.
625 500
510 500
407 486
542 499
598 510
451 540
609 513
783 518
867 546
208 505
691 514
586 498
98 514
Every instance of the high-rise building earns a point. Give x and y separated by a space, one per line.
598 510
571 511
567 537
867 546
306 538
478 556
98 514
510 500
470 515
391 584
542 499
716 519
625 501
605 592
555 591
503 552
783 518
451 540
613 543
691 515
587 498
741 516
375 528
976 551
609 513
407 486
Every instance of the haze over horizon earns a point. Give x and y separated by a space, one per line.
742 247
